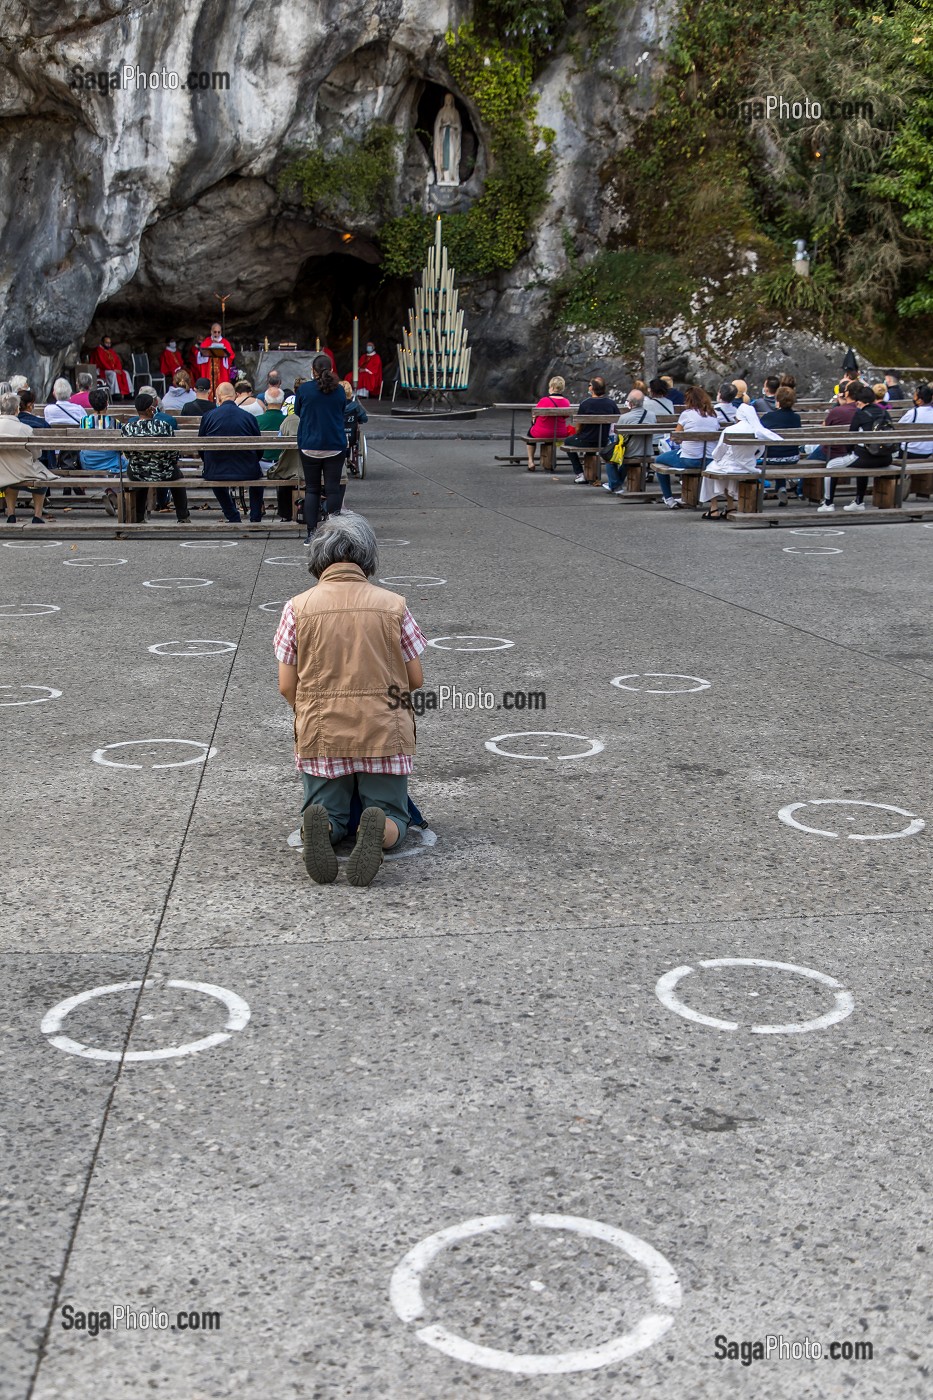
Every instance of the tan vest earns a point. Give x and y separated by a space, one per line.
349 654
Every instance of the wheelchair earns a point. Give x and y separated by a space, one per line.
356 451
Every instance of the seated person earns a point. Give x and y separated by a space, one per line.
697 416
548 429
179 394
870 416
779 420
730 459
638 410
725 407
20 467
152 465
591 438
245 398
106 460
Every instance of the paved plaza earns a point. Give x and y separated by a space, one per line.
627 1052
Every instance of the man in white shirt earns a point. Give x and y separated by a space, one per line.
922 412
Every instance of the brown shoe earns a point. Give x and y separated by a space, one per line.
366 856
320 861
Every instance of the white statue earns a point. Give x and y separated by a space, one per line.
447 141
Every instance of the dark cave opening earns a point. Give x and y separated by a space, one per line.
328 291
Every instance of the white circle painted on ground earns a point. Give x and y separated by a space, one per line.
19 609
98 755
32 544
816 532
237 1016
845 1002
178 583
786 815
288 561
380 543
271 607
50 694
416 580
428 842
661 675
501 643
93 561
792 549
193 647
596 745
406 1298
206 544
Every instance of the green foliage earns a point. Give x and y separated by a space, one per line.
787 291
858 187
494 232
531 25
356 179
622 291
601 24
497 79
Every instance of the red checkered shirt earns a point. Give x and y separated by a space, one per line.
286 651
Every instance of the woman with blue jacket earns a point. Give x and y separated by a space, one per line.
322 440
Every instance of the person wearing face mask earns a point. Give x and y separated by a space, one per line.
370 373
170 361
111 368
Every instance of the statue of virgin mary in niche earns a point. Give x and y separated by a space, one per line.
447 141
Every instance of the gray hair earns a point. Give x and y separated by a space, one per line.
346 538
17 382
274 395
61 389
85 381
9 405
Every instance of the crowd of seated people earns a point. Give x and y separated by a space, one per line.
722 455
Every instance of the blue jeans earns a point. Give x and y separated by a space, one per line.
229 506
666 459
613 477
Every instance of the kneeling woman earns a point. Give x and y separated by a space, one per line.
733 459
341 647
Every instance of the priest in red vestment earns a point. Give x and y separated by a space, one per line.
370 373
111 367
170 360
217 368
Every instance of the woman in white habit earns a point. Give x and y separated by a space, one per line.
733 459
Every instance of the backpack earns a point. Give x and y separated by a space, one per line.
881 424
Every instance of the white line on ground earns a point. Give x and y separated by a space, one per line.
238 1014
596 745
786 815
98 755
407 1300
662 675
845 1002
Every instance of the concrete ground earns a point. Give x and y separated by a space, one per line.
480 1036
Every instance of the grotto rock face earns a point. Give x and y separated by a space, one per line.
149 202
